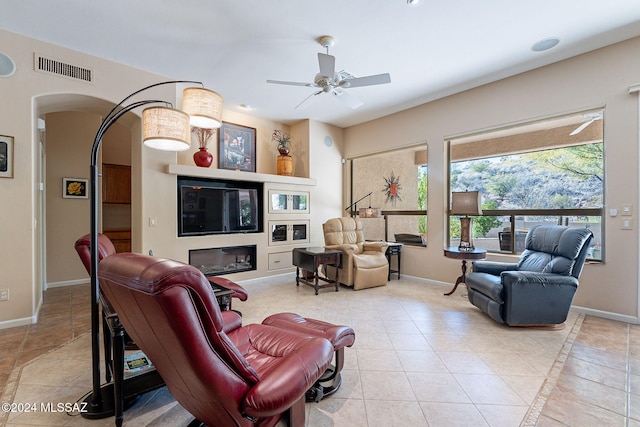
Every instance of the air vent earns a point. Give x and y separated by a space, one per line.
62 69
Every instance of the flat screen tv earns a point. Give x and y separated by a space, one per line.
207 206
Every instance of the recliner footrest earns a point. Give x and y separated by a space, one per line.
339 336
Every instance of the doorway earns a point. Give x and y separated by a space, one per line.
71 122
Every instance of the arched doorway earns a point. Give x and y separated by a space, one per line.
70 123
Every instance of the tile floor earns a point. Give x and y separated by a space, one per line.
420 359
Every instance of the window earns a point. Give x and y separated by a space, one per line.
397 182
547 172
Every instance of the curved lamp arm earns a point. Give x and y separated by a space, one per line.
95 398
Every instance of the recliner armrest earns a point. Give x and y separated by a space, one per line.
347 247
493 267
532 298
522 278
375 246
231 321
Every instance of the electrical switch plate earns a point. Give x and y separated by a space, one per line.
626 210
626 224
4 294
153 221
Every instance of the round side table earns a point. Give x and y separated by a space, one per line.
455 253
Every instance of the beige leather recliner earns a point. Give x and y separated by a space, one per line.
364 264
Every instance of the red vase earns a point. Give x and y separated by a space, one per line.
203 158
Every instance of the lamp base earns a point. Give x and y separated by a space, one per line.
107 407
466 241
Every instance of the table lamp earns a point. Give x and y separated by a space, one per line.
463 204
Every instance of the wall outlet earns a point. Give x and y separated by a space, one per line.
4 294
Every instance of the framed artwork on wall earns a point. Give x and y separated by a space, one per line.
237 147
6 156
75 188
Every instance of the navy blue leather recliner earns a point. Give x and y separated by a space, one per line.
539 289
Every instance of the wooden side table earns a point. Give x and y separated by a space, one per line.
309 260
394 249
455 253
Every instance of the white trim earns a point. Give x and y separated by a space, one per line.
634 90
606 314
175 169
259 281
18 322
68 283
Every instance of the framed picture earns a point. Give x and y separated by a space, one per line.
6 156
237 147
75 188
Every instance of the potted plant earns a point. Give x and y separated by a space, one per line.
283 139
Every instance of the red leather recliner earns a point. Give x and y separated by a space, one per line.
237 376
83 247
106 248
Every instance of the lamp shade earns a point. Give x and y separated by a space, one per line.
369 212
166 129
466 203
203 106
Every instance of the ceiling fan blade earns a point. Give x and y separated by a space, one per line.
327 65
349 100
279 82
307 98
377 79
581 127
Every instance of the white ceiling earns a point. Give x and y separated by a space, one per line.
435 49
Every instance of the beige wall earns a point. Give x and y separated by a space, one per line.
583 82
370 174
600 78
68 152
34 95
325 166
29 95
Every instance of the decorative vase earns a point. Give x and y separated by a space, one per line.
203 158
283 151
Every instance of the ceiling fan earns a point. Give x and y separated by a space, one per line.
334 83
591 117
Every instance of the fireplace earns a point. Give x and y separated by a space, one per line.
227 260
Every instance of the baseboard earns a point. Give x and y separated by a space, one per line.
68 283
277 278
18 322
606 314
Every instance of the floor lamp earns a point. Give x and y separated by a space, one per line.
371 213
164 128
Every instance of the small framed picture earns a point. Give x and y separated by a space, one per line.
237 147
6 156
75 188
